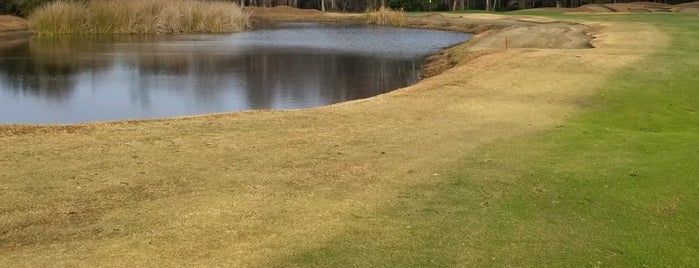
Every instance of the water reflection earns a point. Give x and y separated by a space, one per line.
46 74
71 79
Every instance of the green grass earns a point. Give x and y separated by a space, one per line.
616 186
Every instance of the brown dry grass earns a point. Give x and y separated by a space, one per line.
254 188
138 17
386 16
12 23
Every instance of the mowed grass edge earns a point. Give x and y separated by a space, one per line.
615 186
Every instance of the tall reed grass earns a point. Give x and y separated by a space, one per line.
386 16
138 17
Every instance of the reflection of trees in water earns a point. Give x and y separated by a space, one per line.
270 77
46 67
201 76
50 68
322 78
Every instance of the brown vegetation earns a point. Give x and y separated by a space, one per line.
386 16
138 17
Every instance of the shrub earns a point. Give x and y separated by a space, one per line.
386 16
138 17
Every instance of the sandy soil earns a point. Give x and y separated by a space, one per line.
12 23
242 187
12 27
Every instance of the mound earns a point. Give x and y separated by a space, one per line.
12 23
585 8
687 5
647 7
639 7
597 8
691 7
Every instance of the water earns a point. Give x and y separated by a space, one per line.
83 79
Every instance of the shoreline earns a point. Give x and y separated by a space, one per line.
12 35
488 36
12 27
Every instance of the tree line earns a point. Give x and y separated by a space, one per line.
25 7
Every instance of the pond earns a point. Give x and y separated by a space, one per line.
70 79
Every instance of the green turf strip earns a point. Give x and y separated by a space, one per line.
615 186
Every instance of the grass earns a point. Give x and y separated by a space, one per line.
614 187
138 17
386 16
487 164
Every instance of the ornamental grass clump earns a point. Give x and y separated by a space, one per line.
138 17
386 16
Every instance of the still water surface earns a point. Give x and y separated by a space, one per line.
81 79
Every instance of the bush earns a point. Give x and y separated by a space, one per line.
138 17
386 16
